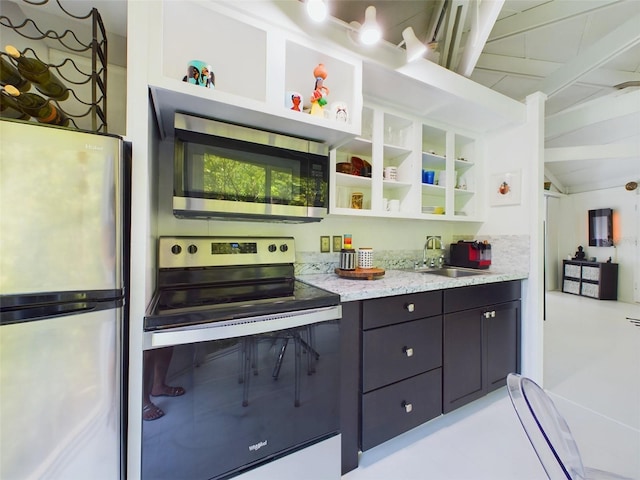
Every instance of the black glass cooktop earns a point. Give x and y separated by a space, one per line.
174 307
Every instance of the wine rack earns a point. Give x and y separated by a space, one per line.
87 111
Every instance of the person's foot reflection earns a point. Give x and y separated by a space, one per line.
156 366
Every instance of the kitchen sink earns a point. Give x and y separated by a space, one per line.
453 272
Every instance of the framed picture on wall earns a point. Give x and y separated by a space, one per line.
505 188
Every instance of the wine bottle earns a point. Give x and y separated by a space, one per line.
9 108
40 74
34 105
10 76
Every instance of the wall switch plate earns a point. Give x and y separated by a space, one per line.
337 243
325 244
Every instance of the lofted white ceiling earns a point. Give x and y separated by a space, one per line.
575 51
578 52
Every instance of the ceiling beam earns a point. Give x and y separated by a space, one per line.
601 109
486 14
526 67
434 22
554 180
609 151
543 15
622 38
453 26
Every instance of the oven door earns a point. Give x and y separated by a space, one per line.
249 397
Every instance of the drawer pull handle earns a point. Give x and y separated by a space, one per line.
407 407
493 314
410 307
487 314
408 351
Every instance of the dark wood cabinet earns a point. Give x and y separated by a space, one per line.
390 411
408 358
400 351
590 279
481 329
401 384
350 384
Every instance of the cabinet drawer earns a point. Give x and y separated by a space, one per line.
591 273
393 353
569 286
379 312
590 290
402 406
465 298
571 270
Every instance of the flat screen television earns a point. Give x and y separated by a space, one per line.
601 227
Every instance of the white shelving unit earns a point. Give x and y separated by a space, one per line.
252 76
411 146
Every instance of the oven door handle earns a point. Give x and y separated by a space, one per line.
239 328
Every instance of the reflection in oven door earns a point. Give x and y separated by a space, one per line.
246 401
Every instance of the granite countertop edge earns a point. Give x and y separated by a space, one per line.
400 282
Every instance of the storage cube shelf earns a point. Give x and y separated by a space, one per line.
590 279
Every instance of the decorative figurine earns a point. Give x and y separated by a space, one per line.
339 112
580 255
199 73
293 101
320 91
208 77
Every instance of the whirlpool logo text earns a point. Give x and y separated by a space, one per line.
257 446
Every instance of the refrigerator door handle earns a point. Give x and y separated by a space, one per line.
54 310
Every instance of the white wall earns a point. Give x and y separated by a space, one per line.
573 230
378 233
552 252
508 153
519 151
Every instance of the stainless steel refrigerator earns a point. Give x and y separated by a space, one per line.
63 275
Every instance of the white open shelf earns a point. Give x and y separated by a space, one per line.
252 77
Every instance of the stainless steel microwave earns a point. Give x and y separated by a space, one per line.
235 172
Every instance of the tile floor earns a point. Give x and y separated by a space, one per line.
592 371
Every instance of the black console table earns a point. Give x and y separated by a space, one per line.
590 279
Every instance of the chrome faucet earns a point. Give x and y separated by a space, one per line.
432 243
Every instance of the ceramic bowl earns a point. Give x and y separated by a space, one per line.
344 167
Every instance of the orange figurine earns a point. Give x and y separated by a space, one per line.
318 99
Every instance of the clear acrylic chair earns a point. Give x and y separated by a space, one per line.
549 433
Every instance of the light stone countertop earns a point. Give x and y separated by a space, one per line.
399 282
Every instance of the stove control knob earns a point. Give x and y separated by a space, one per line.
284 247
176 249
192 249
272 247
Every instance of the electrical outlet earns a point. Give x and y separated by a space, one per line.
337 243
325 244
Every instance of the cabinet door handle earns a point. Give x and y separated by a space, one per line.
408 351
410 307
487 314
493 314
407 407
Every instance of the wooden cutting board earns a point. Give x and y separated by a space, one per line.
361 273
